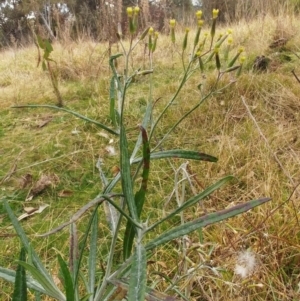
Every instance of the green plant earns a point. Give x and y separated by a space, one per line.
46 46
130 277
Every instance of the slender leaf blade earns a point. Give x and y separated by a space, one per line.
139 196
145 123
68 282
203 221
26 244
82 244
184 154
50 289
93 257
20 288
99 124
112 97
10 276
193 200
48 46
138 275
126 180
41 42
179 153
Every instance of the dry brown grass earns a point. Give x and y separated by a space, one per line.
256 140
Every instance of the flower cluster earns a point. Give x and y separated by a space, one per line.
132 14
152 39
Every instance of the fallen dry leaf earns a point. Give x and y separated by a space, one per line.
31 211
26 180
115 170
44 121
65 193
56 279
44 182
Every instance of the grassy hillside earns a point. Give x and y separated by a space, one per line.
252 127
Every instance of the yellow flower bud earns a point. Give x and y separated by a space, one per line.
129 11
200 23
242 59
187 30
199 14
215 13
198 53
216 50
230 40
136 10
172 23
156 34
151 30
229 31
241 49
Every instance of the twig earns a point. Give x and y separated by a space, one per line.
297 78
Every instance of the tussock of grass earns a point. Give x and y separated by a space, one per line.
262 153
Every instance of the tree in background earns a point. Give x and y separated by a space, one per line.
100 19
232 10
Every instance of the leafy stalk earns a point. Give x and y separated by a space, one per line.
139 196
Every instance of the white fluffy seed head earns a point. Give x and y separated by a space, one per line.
245 264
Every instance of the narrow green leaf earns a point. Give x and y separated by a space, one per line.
145 123
48 46
213 30
220 42
203 221
41 42
46 56
113 68
68 282
104 127
37 296
201 66
112 97
185 40
49 287
231 63
231 69
26 244
193 200
93 257
218 62
44 66
138 275
82 248
126 180
144 33
122 212
179 153
85 298
20 288
10 276
139 196
196 40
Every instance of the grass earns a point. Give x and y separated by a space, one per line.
262 151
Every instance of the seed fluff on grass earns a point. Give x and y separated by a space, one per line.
245 264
